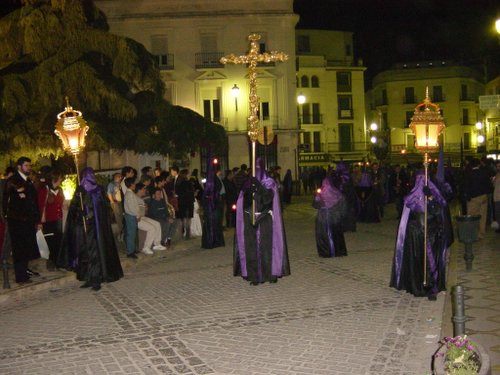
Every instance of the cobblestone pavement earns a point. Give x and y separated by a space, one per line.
183 312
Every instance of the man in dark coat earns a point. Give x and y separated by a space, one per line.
213 210
260 249
23 218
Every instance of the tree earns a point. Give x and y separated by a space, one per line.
50 49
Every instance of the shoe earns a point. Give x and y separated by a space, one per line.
159 247
147 251
432 297
31 272
85 285
169 242
96 288
133 256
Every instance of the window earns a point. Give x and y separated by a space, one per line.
307 138
385 124
409 115
208 42
304 81
466 141
264 111
316 142
159 49
314 81
384 97
344 81
409 95
316 115
465 116
345 137
211 110
345 106
306 113
437 93
303 43
463 93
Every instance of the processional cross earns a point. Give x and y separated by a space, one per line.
251 59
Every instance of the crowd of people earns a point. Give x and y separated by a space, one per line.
153 210
347 196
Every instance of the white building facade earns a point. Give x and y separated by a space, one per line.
188 38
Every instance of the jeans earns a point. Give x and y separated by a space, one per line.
131 233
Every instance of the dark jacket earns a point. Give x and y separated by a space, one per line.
20 200
477 183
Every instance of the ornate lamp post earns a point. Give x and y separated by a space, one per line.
72 129
427 124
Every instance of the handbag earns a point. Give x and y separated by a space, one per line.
43 248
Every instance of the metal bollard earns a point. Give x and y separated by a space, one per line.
458 317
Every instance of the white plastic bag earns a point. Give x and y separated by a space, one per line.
42 245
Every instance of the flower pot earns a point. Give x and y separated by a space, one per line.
438 365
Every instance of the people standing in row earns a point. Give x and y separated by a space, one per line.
4 238
88 245
260 248
184 190
23 218
418 269
477 187
115 199
287 187
332 211
230 199
213 209
50 203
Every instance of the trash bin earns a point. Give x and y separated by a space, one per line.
468 232
468 228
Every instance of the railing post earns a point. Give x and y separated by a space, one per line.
458 317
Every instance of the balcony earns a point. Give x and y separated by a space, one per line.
344 88
310 119
164 62
345 147
208 60
346 114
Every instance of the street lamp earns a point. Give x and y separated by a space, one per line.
235 92
301 98
72 129
427 124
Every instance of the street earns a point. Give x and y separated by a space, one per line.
183 312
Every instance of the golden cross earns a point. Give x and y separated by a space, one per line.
251 59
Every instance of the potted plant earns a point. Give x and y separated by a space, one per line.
461 356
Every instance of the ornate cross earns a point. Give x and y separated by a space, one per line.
251 59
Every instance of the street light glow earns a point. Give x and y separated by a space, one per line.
301 98
480 138
373 126
373 139
479 125
497 25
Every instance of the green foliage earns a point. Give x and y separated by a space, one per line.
57 48
461 356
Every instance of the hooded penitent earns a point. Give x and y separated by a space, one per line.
260 252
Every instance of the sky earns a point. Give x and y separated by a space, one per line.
393 31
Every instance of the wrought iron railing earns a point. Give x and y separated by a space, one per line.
208 60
